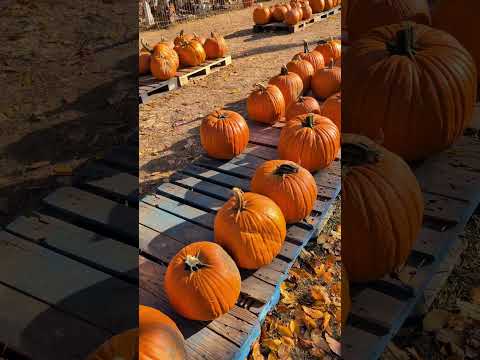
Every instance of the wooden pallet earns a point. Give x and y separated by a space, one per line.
149 86
302 25
450 182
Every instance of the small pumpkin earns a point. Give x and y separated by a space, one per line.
202 281
327 81
330 49
252 228
191 53
291 186
304 105
306 10
346 300
224 134
289 83
303 69
261 15
313 57
278 13
310 140
332 109
293 16
181 37
164 61
317 5
143 62
383 205
266 104
215 46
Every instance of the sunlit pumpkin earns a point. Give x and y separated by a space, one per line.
201 39
144 62
329 4
261 15
289 83
330 49
278 13
252 228
266 104
181 37
317 5
327 81
291 186
169 43
191 53
202 281
307 10
224 134
304 105
293 16
303 69
164 61
215 46
383 207
332 109
313 57
310 140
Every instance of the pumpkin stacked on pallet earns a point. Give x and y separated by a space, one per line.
289 13
161 61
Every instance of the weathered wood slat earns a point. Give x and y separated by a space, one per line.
123 158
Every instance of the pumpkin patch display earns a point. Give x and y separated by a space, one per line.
303 69
383 203
252 228
291 186
293 16
327 81
190 53
289 83
304 105
330 49
278 13
398 89
266 104
332 109
261 15
313 57
164 61
310 140
317 5
202 281
306 10
224 134
215 46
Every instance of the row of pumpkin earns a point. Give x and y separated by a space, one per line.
166 57
291 13
203 280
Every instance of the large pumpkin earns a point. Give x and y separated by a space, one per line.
201 39
332 109
224 134
329 4
303 69
278 13
327 81
191 53
313 57
306 10
415 84
310 140
252 228
293 16
460 19
291 186
215 46
164 61
382 205
330 49
266 104
368 14
346 300
202 281
304 105
181 37
289 83
317 5
261 15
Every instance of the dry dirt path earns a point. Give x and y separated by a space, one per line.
169 123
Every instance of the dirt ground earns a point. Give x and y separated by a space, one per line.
169 123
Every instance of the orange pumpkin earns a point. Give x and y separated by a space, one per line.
313 57
304 105
144 62
330 49
366 15
164 61
261 15
329 4
170 44
201 39
181 37
303 69
278 13
215 46
306 10
310 140
252 228
293 16
191 53
266 104
289 83
332 109
202 281
327 81
317 5
291 186
224 134
383 204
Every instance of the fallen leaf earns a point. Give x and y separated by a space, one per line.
310 323
435 320
284 331
288 341
272 356
326 322
313 313
469 310
272 344
294 326
334 345
284 352
256 354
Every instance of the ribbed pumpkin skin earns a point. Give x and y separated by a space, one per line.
169 43
261 15
317 5
208 292
293 16
332 109
330 49
304 105
278 13
294 192
366 15
306 10
191 53
143 62
460 19
182 37
329 4
346 300
266 104
394 93
290 84
224 134
383 205
314 147
313 57
163 62
326 82
303 69
253 236
215 46
201 39
148 316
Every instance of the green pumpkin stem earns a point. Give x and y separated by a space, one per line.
404 43
286 169
193 263
309 121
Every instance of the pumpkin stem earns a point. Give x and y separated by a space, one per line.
358 154
284 70
286 169
193 263
301 99
213 35
239 198
309 121
404 43
222 116
145 46
261 86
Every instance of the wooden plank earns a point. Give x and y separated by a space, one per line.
123 158
359 344
89 294
217 177
262 152
91 210
42 332
88 247
446 209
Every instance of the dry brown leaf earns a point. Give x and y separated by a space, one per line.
272 356
288 341
319 270
300 274
284 330
284 352
323 239
295 326
272 344
435 320
469 310
310 323
317 352
313 313
256 354
326 322
334 345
